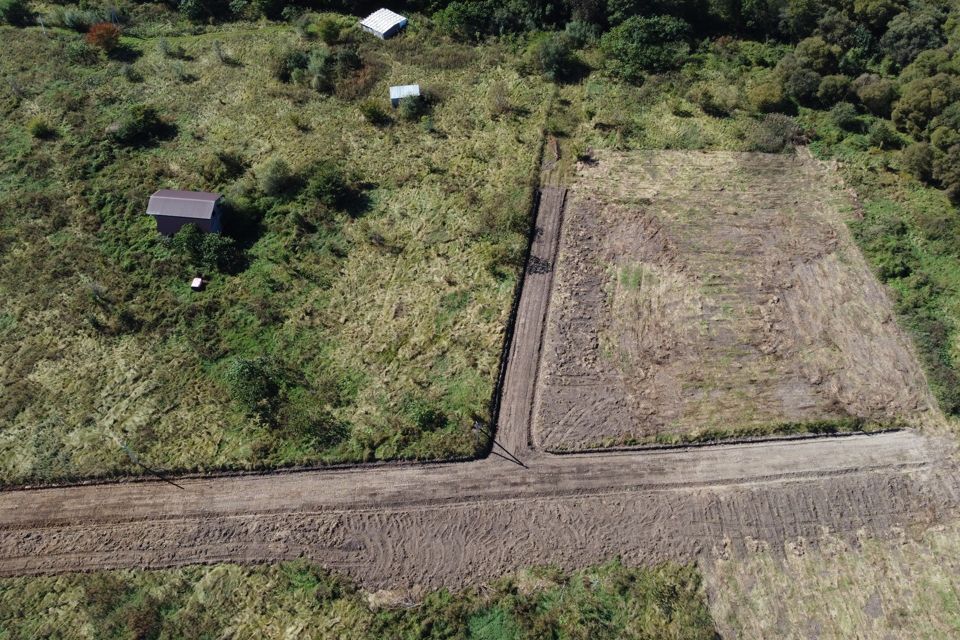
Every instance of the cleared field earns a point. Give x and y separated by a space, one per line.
699 294
906 586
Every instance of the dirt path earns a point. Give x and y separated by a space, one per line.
423 526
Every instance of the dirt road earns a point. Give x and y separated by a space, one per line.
423 526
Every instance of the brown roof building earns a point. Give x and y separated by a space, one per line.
173 209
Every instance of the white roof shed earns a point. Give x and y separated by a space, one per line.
400 92
383 23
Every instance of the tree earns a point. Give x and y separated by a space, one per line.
917 160
875 93
140 125
844 115
327 184
104 35
876 13
923 100
946 170
15 12
800 82
833 89
909 34
640 45
816 54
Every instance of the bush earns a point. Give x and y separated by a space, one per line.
253 385
917 160
581 33
140 125
411 108
79 52
277 180
844 116
327 184
641 45
774 133
718 101
833 89
15 12
767 97
104 35
882 136
204 10
553 56
287 63
876 94
167 50
328 28
373 113
41 129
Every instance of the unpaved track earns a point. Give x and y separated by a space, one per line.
424 526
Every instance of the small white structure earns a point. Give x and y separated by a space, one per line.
403 91
197 284
383 23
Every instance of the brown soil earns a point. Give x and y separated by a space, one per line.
714 291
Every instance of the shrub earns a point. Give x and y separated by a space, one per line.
140 124
876 94
219 252
167 50
917 160
411 108
328 28
41 129
104 35
640 45
715 100
327 184
774 133
833 89
553 56
882 136
373 113
15 12
204 10
498 99
252 384
767 97
581 34
287 62
79 52
844 116
276 179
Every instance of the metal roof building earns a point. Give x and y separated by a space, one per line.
173 209
383 23
400 92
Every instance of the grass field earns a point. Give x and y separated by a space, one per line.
303 601
381 322
903 587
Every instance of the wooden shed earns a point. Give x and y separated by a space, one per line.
383 23
173 209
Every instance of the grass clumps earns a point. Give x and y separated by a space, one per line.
607 601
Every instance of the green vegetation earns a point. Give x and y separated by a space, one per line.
609 601
367 269
372 253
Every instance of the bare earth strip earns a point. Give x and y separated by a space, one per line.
710 291
423 526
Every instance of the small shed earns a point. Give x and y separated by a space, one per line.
383 23
403 91
173 209
197 284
